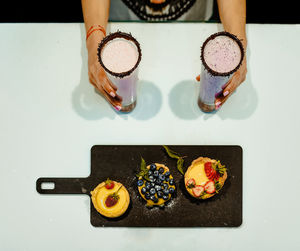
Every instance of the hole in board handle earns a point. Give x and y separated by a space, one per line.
48 185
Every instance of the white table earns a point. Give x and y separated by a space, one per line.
51 116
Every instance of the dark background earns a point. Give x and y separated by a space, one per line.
258 11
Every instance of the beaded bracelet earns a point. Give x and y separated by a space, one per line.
95 28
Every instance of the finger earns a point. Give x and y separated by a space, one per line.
220 101
231 86
222 98
198 78
118 98
115 103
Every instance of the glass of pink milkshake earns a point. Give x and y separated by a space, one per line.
221 55
120 54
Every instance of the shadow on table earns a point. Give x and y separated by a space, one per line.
241 105
149 102
89 103
183 100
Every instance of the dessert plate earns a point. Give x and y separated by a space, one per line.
121 163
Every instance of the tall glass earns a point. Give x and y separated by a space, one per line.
221 55
120 54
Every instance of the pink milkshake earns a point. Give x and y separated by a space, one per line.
221 54
120 54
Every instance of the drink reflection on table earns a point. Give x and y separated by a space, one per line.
96 13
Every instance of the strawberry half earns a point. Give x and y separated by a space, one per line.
210 172
210 187
190 183
109 184
111 201
198 190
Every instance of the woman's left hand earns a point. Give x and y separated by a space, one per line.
238 77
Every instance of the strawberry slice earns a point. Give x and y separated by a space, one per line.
190 183
198 190
207 167
210 171
210 187
109 184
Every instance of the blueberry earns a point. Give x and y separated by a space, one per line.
167 179
152 191
158 182
153 198
151 178
157 187
165 191
143 190
147 186
171 182
152 167
152 184
171 190
140 183
150 172
165 186
167 173
160 194
165 197
161 170
147 196
155 173
162 177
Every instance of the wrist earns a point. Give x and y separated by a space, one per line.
94 39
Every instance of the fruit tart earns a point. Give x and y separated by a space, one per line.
205 177
157 185
110 198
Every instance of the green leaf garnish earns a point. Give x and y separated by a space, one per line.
171 153
203 194
218 186
180 165
221 169
179 158
143 170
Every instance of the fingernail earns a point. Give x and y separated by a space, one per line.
225 93
218 104
118 108
112 94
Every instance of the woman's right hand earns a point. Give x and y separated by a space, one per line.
97 75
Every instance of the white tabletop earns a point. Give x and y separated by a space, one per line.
50 116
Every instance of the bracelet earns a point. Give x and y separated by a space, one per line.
93 28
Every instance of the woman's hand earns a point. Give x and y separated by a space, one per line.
238 77
97 75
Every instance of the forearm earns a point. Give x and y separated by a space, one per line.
233 17
95 12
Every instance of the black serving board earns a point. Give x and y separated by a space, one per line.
121 163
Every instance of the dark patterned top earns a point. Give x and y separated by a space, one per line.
165 11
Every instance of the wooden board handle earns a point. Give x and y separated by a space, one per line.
62 186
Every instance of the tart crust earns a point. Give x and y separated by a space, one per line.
99 195
195 164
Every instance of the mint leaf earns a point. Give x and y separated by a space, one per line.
143 170
171 153
180 165
174 155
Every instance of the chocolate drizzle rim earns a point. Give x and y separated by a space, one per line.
222 33
112 36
